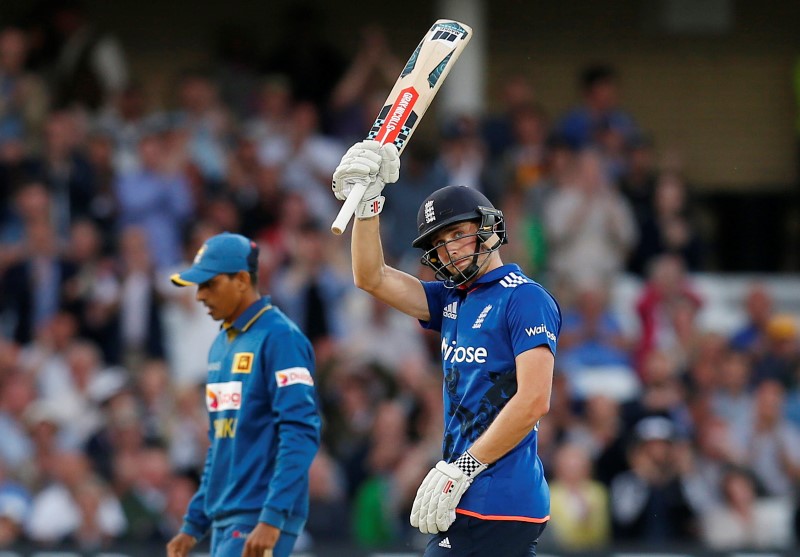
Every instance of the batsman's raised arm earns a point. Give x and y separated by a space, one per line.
376 164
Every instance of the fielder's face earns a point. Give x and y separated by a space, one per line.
456 244
223 296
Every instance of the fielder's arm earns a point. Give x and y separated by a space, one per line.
523 410
371 273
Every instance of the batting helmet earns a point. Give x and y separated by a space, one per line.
451 205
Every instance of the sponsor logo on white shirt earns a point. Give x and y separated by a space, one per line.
294 376
224 396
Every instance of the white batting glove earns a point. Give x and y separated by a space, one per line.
434 508
367 161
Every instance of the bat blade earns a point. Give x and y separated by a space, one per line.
412 94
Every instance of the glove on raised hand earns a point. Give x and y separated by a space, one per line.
372 163
434 508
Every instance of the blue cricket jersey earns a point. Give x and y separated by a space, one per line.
503 314
264 425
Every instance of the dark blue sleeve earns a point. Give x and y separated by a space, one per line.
534 318
289 369
434 292
196 523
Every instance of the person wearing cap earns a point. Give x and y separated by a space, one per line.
499 329
263 412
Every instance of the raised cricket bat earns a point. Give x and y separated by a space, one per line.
410 97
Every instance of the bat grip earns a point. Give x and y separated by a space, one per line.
346 212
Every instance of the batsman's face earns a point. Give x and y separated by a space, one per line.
222 295
456 244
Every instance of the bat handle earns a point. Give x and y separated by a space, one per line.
346 212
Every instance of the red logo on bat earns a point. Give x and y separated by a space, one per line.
398 115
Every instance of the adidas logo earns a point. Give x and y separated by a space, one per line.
445 543
451 310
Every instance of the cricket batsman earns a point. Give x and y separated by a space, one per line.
264 421
499 329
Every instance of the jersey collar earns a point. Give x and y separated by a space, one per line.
495 275
249 316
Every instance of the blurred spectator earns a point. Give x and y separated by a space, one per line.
463 154
66 170
154 396
770 444
180 490
372 323
732 400
590 226
498 128
144 495
312 290
667 294
671 227
744 520
601 432
527 212
663 393
523 164
15 503
90 67
371 74
780 359
119 431
263 215
156 200
649 503
705 461
307 159
17 393
328 509
188 431
139 304
207 123
599 114
33 290
594 351
272 117
75 506
638 185
375 517
23 97
30 202
579 506
125 121
752 336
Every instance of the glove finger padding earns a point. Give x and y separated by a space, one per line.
390 163
417 509
357 164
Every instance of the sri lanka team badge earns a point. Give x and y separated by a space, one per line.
242 362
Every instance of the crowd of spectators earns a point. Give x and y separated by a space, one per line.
670 435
